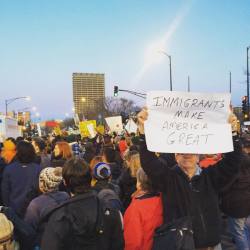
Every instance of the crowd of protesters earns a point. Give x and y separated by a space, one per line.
110 192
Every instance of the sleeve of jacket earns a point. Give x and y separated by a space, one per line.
117 241
5 187
112 237
133 229
32 215
55 234
157 171
224 173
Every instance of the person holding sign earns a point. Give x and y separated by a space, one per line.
187 190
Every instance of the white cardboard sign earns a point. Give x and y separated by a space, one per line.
131 127
185 122
114 123
91 130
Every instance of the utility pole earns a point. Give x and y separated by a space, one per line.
247 83
188 84
170 69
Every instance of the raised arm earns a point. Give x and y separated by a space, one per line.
157 171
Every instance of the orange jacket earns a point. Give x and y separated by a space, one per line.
141 218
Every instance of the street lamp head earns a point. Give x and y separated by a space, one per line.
164 52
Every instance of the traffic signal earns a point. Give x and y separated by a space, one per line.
244 108
116 90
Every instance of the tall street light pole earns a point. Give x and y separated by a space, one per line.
9 101
247 83
170 68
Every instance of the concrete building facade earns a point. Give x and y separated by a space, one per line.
88 92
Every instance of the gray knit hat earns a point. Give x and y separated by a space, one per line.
49 179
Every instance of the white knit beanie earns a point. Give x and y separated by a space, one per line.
50 179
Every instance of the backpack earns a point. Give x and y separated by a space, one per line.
6 233
110 199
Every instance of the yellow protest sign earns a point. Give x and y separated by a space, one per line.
57 131
83 127
100 129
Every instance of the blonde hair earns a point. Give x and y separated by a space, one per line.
134 163
143 180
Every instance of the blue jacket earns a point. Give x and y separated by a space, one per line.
20 185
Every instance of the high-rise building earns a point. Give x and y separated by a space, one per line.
23 117
88 93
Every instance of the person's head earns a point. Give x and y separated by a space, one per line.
39 145
128 141
8 150
187 161
76 176
25 152
132 159
101 171
62 149
143 182
109 154
49 179
18 139
107 140
89 147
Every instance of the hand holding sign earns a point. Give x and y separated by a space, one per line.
233 121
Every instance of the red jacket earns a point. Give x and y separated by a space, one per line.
141 218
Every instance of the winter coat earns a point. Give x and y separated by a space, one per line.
20 185
74 225
57 162
235 201
197 196
41 205
142 217
44 160
3 164
116 170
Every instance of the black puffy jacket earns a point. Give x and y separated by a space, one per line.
235 201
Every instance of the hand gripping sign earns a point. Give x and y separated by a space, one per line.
181 122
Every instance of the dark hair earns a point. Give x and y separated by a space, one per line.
109 154
40 143
12 140
76 174
18 139
133 148
25 152
107 139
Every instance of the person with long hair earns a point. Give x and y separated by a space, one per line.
62 152
143 215
127 181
